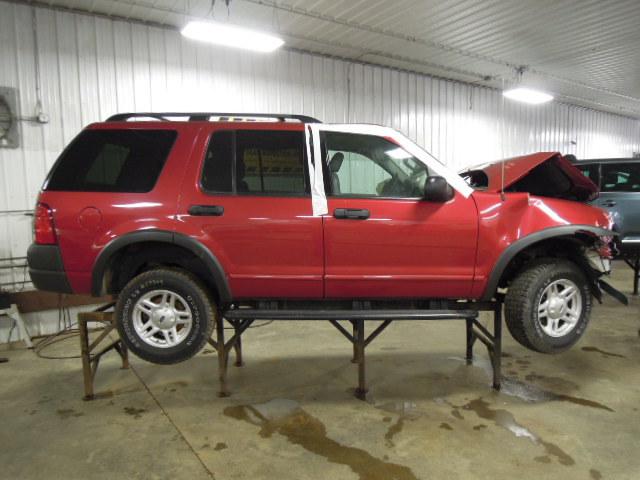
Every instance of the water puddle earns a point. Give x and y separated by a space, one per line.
506 420
405 411
532 393
286 418
603 352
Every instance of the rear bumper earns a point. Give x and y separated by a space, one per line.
46 269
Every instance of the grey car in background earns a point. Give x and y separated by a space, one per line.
619 183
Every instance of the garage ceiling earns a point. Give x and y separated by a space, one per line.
585 52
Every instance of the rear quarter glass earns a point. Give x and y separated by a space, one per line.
112 160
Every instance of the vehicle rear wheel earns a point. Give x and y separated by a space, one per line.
165 316
548 305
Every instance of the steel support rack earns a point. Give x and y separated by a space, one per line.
241 319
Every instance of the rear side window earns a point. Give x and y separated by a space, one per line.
255 162
620 177
112 161
590 171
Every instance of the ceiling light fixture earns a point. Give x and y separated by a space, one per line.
231 36
527 95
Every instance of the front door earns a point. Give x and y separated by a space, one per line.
248 202
382 240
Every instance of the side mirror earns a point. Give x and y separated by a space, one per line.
436 189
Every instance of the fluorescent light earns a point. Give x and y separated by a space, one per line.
527 95
398 153
231 36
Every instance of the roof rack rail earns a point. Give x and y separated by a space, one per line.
204 116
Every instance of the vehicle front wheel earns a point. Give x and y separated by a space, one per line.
548 305
165 316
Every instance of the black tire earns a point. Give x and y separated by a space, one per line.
192 295
523 299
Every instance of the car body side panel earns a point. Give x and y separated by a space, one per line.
407 248
501 223
87 221
269 246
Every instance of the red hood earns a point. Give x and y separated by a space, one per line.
517 168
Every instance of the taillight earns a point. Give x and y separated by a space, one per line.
43 229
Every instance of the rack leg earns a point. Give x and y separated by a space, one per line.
470 341
497 346
636 275
361 391
124 355
223 357
86 360
354 359
237 347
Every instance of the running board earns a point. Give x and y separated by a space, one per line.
276 314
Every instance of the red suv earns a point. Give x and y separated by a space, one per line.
181 215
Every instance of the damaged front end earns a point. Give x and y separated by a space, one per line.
597 259
545 174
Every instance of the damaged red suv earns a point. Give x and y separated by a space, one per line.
185 215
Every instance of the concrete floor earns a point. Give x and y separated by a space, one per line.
292 413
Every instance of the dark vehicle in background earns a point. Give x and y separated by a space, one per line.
619 183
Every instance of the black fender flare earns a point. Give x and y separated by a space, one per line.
519 245
162 236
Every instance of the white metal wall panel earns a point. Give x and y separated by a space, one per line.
92 67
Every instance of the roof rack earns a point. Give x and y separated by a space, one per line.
205 116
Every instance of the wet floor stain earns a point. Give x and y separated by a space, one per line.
445 426
173 386
506 420
220 446
65 413
456 413
543 459
552 382
134 412
393 430
479 427
286 418
531 393
595 474
602 352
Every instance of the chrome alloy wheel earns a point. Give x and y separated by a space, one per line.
162 318
560 307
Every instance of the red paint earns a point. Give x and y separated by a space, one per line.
517 167
274 248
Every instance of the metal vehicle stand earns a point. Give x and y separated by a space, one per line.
241 319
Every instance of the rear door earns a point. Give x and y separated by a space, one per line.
246 198
382 240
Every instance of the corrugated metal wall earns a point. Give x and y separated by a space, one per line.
92 67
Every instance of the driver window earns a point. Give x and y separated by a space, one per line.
370 166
